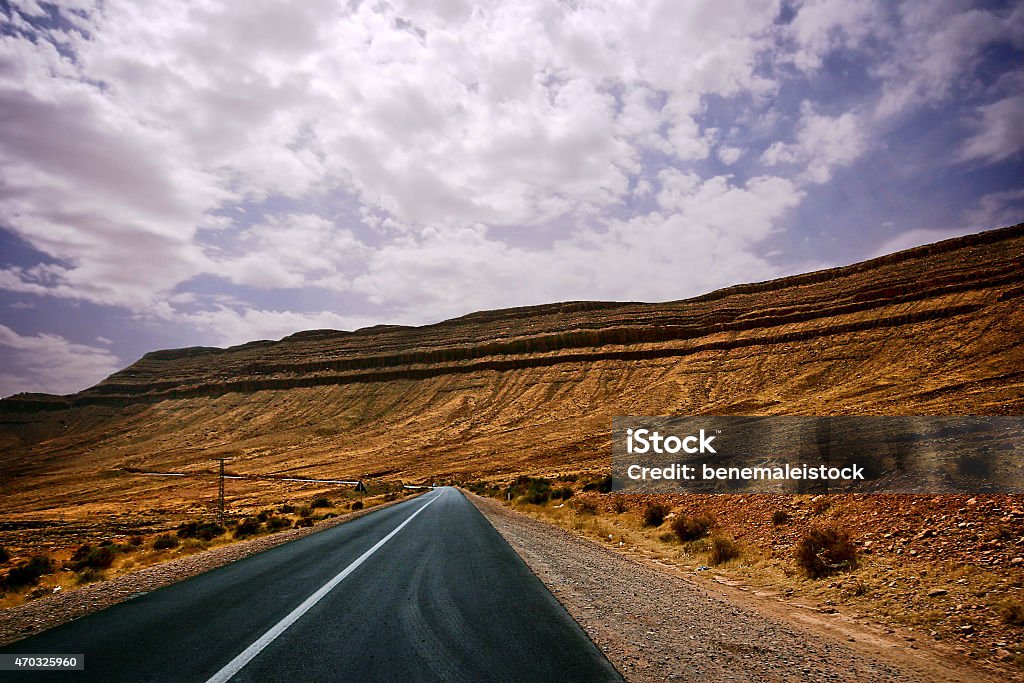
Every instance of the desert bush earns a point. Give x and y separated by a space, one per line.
208 531
28 573
821 505
535 490
264 515
248 526
286 509
320 502
136 541
278 523
563 493
1012 612
89 575
619 505
87 556
667 537
780 517
303 522
824 551
165 542
358 505
722 550
187 530
304 512
689 528
654 514
4 554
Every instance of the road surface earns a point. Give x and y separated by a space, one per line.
424 590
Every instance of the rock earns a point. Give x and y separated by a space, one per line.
936 592
1017 561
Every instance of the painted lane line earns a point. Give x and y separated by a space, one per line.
247 655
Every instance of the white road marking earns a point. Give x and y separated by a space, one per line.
247 655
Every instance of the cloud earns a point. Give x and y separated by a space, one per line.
292 251
998 131
935 48
823 144
995 210
50 363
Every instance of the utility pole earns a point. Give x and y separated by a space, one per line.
220 490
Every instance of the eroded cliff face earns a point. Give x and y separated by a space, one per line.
933 330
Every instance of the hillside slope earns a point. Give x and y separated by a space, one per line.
932 330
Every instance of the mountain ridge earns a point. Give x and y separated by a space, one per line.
561 332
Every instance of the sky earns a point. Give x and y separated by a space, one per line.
209 173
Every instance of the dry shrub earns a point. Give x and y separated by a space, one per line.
826 550
1012 612
689 528
165 542
722 550
654 514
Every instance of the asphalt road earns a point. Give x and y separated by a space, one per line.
420 591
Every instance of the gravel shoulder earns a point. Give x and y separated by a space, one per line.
656 624
59 608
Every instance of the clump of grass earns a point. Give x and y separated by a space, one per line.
248 526
165 542
28 573
654 514
320 502
136 541
824 551
586 507
619 505
533 490
691 528
303 511
206 531
358 505
780 517
88 556
286 509
723 550
1012 612
667 537
278 523
564 493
